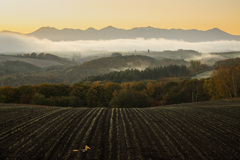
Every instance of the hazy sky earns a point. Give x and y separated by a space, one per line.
28 15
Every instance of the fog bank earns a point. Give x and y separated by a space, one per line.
14 43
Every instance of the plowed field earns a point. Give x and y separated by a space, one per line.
207 130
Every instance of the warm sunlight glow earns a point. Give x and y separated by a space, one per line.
29 15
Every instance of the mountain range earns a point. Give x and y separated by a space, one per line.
110 33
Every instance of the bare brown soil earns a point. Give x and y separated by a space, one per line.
206 130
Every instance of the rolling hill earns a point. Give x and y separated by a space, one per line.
42 63
61 72
109 64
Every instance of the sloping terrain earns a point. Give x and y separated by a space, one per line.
207 130
120 63
65 73
233 54
179 54
12 67
108 64
37 62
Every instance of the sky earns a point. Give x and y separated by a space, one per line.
26 16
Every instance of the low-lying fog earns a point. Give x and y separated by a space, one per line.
14 43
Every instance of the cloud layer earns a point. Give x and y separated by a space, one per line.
13 43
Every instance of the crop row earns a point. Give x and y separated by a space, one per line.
172 132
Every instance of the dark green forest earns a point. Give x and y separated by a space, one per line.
147 74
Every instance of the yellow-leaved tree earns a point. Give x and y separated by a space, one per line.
225 82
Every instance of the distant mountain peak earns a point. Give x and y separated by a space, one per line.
6 31
47 28
69 29
109 27
150 27
91 29
111 32
216 30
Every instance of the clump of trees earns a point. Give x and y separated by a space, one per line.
156 73
227 63
46 56
116 54
197 67
138 75
225 82
129 98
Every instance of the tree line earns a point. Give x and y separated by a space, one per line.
151 73
128 94
46 56
224 83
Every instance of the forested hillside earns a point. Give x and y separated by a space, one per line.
119 63
108 64
42 60
27 74
227 62
147 74
179 54
12 67
35 68
224 83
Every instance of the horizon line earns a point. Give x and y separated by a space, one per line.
17 32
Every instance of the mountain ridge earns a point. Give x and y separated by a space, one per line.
110 33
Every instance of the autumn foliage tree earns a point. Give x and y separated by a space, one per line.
225 82
26 93
193 91
197 67
95 96
7 94
129 98
79 90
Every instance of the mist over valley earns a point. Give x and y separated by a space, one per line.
111 39
61 59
